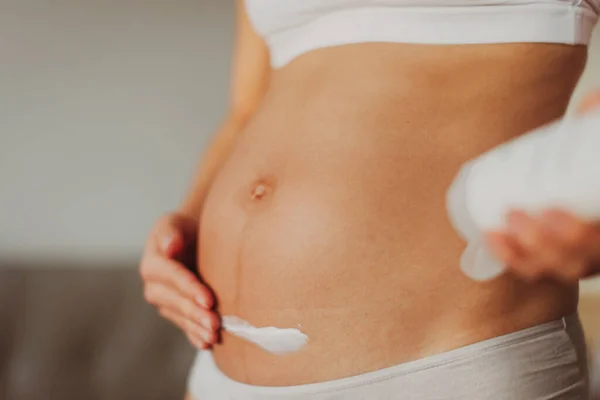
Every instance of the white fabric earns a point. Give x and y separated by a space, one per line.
294 27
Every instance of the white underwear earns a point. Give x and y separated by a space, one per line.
547 361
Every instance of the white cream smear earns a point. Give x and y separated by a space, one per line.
274 340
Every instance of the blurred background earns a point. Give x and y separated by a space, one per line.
105 106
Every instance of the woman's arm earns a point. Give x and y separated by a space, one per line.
250 75
173 289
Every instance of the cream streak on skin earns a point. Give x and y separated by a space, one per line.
271 339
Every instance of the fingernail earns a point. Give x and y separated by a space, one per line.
166 242
202 301
209 336
207 323
200 342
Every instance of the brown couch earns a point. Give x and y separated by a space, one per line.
87 334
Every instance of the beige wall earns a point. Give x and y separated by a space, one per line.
104 107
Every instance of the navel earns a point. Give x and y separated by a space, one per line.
261 189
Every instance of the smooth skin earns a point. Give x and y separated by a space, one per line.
184 300
554 244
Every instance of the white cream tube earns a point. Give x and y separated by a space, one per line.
555 166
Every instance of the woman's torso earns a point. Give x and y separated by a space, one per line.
355 147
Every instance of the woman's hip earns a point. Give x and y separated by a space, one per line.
542 362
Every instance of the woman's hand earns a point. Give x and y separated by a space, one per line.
554 244
173 288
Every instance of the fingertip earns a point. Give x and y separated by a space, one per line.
198 343
504 247
172 243
207 320
496 239
214 323
204 300
211 338
495 236
518 222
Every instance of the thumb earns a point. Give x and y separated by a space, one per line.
171 241
177 234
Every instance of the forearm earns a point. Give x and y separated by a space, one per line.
210 163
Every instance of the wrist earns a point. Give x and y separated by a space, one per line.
188 212
191 208
193 203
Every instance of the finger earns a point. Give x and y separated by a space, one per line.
513 255
175 232
546 248
549 253
518 260
525 230
197 342
199 337
539 247
174 318
569 272
169 239
576 236
589 102
163 236
175 275
510 253
189 327
502 247
166 298
581 242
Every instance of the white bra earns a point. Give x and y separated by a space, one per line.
294 27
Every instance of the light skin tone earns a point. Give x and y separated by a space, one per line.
182 298
554 244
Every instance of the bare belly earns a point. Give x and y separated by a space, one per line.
330 211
